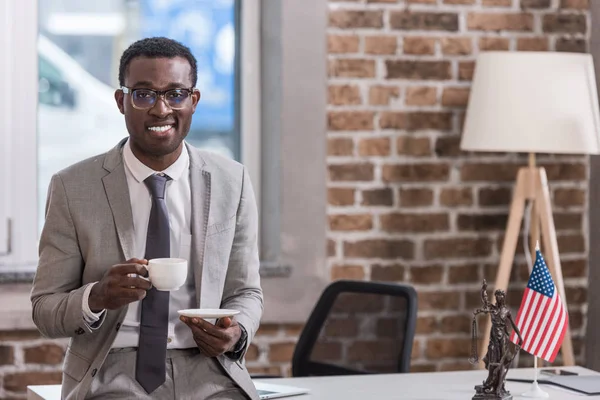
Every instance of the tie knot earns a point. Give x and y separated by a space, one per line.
157 184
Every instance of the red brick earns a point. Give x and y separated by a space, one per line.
430 120
576 295
569 197
415 173
340 146
481 222
44 354
374 147
459 2
350 120
269 329
421 96
567 171
495 196
496 3
399 222
575 268
351 19
363 351
422 2
426 325
281 352
456 324
378 197
538 4
576 4
419 45
457 248
417 197
379 248
352 68
419 147
358 303
358 222
351 172
271 371
430 274
345 327
455 97
500 22
466 70
463 273
354 272
382 95
324 351
393 120
388 273
438 300
343 44
532 44
448 348
419 70
568 221
18 381
455 197
571 243
343 95
19 335
418 368
470 172
564 23
457 46
331 248
448 146
571 45
413 20
340 196
493 44
381 44
7 355
252 353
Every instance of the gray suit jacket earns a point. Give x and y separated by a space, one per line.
89 228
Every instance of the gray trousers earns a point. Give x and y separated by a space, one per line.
190 375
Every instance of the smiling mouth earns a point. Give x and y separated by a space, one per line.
160 129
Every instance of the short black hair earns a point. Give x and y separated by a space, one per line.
157 47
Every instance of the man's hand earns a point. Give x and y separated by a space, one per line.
117 289
214 340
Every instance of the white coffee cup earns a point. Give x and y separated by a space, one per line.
167 273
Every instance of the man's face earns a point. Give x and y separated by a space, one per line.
148 127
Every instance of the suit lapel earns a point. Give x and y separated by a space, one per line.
200 181
117 192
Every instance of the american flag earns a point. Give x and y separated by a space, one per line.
542 318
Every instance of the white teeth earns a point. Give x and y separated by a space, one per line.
160 128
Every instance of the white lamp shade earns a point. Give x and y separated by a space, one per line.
533 102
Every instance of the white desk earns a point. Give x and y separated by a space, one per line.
417 386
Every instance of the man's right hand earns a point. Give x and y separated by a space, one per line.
117 289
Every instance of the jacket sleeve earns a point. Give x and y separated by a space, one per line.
242 289
57 294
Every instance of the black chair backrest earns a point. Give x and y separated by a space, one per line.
358 327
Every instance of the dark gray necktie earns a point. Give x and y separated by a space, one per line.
152 345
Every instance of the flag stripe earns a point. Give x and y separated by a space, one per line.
556 335
553 311
521 314
535 327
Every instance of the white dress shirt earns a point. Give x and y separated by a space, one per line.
178 200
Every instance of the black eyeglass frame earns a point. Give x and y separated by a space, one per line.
159 94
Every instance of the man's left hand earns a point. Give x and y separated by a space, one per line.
214 340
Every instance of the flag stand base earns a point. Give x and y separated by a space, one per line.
535 392
532 185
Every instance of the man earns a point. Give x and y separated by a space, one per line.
152 196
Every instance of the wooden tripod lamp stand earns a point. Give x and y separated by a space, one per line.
532 102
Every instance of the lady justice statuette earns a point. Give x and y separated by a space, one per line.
499 356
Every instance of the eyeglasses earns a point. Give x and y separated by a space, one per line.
144 99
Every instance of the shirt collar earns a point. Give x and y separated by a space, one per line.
140 171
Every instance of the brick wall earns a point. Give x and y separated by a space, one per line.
404 203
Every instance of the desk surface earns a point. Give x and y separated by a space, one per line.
416 386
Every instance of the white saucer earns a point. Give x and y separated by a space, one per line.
207 313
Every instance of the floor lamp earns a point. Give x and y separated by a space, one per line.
532 102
